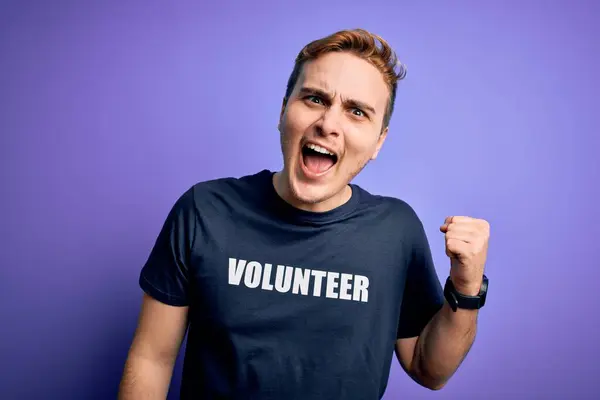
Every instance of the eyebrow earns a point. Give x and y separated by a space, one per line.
351 102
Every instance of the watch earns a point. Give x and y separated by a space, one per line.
458 300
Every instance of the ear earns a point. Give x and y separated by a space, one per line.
380 141
283 104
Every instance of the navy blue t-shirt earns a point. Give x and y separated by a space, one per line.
290 304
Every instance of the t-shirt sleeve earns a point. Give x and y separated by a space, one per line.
423 294
165 275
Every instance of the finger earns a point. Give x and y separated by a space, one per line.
456 246
459 225
446 223
465 236
462 218
467 228
481 224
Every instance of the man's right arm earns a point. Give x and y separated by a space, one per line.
156 344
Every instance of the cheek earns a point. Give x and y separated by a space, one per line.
360 143
297 120
290 133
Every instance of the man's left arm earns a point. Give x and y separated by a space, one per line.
432 357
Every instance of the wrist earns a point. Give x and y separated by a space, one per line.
467 290
465 295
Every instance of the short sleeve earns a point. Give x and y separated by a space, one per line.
423 295
165 275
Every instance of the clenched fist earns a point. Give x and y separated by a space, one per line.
466 244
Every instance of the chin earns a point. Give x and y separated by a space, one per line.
316 193
311 193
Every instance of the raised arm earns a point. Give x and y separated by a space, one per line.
434 348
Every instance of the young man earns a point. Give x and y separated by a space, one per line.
298 284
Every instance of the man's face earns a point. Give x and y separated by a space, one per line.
337 107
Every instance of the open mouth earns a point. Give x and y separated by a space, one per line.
317 159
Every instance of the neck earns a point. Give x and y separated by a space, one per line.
282 187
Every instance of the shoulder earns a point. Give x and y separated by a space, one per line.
392 207
395 215
226 191
231 183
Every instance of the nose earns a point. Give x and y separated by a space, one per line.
330 122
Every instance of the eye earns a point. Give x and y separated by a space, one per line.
314 99
358 112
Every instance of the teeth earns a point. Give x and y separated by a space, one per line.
319 149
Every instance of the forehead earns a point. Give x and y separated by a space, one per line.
348 76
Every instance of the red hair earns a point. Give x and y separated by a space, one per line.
366 45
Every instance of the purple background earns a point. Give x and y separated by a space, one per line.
110 110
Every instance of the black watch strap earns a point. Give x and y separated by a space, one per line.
458 300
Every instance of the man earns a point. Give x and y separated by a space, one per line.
298 284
